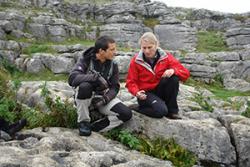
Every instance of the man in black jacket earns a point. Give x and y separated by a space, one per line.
95 78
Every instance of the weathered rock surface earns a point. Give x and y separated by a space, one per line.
64 147
198 131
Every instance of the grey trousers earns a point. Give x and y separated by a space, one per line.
82 106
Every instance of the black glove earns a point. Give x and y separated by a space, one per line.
98 101
102 83
95 76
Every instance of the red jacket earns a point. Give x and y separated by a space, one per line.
142 77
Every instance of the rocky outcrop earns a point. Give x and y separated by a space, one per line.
176 36
238 37
126 21
218 138
64 147
207 138
231 67
212 137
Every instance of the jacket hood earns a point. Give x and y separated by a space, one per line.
89 53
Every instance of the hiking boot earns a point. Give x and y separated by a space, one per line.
84 128
173 116
17 126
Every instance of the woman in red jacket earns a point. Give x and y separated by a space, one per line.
153 77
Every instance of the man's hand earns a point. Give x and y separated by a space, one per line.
102 83
141 95
168 73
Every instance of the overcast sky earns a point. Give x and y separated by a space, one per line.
228 6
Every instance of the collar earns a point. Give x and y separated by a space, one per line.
162 53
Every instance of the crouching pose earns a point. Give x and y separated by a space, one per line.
153 77
95 78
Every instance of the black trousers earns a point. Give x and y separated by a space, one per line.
162 100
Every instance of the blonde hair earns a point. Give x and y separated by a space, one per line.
149 37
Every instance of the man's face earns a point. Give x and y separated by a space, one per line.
148 48
110 52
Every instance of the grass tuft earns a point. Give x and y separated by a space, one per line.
210 41
165 149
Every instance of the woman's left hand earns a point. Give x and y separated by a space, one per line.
168 73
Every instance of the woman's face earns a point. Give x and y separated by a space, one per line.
148 48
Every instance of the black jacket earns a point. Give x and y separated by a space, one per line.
108 69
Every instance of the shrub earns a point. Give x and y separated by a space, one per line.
9 109
7 67
4 78
125 137
165 149
61 114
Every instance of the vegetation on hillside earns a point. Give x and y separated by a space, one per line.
217 89
165 149
61 113
211 41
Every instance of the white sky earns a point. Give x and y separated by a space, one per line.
228 6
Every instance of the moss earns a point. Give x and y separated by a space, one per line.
151 22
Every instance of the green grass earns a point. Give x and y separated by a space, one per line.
38 48
203 103
9 71
217 89
225 94
210 41
45 75
98 2
46 46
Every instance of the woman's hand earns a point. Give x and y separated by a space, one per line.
168 73
141 95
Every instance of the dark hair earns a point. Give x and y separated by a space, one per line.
103 42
